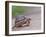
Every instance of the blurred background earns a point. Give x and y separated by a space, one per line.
17 10
33 12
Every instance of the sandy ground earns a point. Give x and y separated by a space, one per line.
36 22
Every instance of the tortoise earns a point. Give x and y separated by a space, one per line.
22 21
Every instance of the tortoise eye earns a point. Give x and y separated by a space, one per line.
29 18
